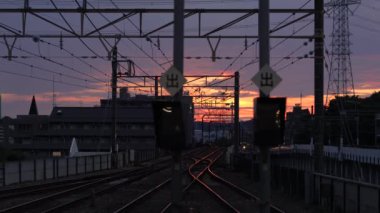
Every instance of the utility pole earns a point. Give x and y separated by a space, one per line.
178 52
157 149
318 84
156 87
236 117
115 147
203 116
0 107
265 176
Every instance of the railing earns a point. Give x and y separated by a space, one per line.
15 172
348 183
344 195
51 168
2 174
358 154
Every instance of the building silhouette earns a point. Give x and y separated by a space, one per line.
43 135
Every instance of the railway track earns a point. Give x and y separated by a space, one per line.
229 193
143 197
231 197
151 195
56 197
50 187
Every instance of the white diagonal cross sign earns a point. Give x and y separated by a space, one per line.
266 79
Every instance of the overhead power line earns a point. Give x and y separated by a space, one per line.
55 62
38 68
44 79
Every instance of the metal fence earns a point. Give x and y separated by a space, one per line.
16 172
51 168
346 196
345 186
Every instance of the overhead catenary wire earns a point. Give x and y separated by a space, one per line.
153 1
286 57
52 71
366 19
147 37
257 40
291 53
45 79
68 24
100 34
363 27
370 6
253 61
55 62
134 43
75 56
299 58
293 62
129 2
93 24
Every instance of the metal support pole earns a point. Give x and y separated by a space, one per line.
265 177
3 170
318 84
84 8
236 117
209 131
202 140
216 132
156 87
157 150
114 92
44 168
76 165
357 130
178 52
34 170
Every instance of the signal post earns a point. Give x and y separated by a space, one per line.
269 112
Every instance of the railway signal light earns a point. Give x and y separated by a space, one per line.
169 125
269 121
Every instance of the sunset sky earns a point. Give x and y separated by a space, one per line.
88 77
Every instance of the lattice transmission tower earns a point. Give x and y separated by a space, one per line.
341 81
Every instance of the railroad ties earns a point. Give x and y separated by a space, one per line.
208 186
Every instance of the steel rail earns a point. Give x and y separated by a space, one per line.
150 191
45 186
139 198
130 174
202 172
241 190
70 204
28 204
220 198
41 190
